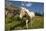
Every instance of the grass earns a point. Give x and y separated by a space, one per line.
14 23
38 22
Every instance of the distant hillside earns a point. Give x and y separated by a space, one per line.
38 14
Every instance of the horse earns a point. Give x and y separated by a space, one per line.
28 15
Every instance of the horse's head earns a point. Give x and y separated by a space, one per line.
22 12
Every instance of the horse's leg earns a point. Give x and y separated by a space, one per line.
31 22
27 24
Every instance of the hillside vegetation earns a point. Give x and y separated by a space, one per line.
13 22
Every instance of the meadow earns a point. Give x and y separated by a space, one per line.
14 23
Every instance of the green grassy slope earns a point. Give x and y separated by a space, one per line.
12 23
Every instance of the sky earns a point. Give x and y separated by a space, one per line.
34 6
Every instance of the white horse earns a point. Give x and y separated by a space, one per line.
25 12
